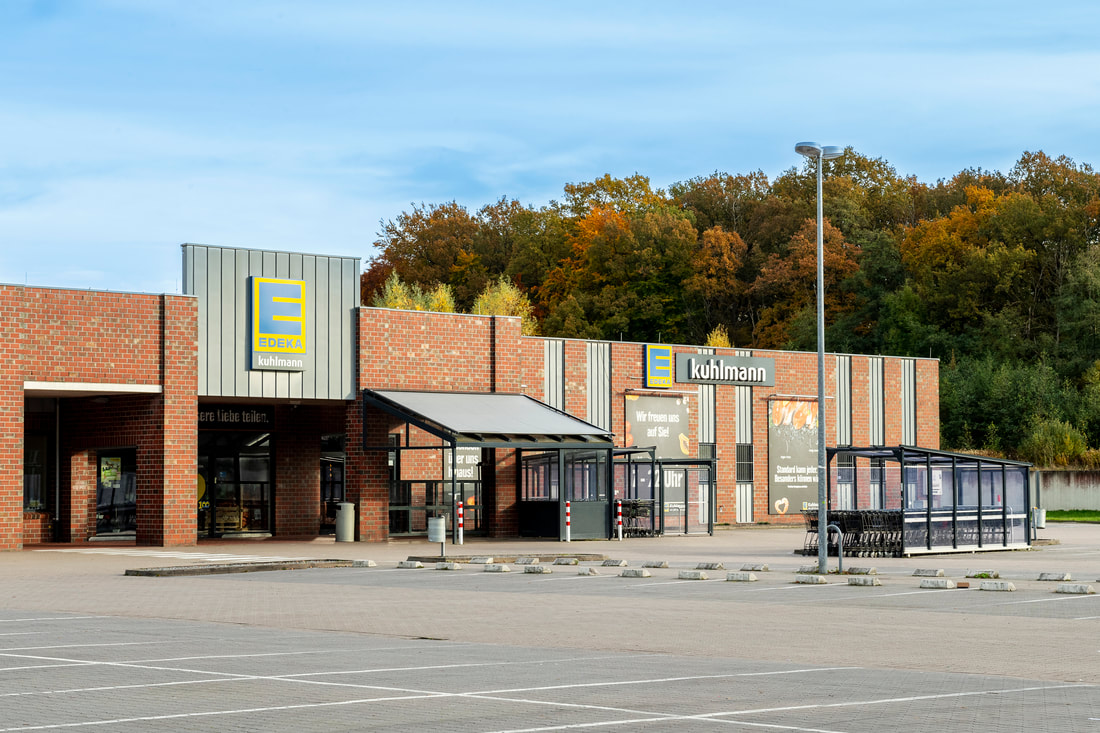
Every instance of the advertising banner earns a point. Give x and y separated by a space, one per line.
792 456
466 459
659 421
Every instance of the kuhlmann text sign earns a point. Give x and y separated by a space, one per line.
710 369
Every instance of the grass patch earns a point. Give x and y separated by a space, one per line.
1073 515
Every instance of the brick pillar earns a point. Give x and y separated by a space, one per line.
366 474
11 455
297 449
168 458
81 505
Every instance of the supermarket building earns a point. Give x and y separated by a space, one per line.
265 397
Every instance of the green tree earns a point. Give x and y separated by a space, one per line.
502 298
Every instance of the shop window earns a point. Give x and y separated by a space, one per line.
34 473
116 492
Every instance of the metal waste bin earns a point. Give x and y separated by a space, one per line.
1039 517
437 529
345 522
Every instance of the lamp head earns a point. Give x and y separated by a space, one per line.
810 150
813 150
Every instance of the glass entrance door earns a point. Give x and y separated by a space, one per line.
234 494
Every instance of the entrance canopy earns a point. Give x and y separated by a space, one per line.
489 420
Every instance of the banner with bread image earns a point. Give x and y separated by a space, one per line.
792 455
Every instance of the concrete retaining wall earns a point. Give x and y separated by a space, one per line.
1070 489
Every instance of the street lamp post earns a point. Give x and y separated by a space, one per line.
821 153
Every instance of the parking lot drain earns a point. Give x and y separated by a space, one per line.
755 567
998 585
692 575
565 561
928 573
614 563
937 583
810 579
410 564
634 573
863 580
1075 588
447 566
861 571
1057 577
537 569
740 577
987 574
496 567
655 564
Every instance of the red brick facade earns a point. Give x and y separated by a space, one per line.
119 371
137 354
442 352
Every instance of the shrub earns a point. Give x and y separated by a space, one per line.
1053 443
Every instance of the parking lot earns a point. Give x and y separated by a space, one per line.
389 648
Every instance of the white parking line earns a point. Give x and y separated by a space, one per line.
47 618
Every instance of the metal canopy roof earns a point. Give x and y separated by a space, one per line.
489 419
913 455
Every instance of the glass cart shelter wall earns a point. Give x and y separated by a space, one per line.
928 501
85 375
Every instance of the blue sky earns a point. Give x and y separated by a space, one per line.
131 126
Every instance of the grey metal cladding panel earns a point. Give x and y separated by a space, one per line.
876 400
348 315
228 322
909 402
553 373
844 400
599 384
255 379
707 428
744 414
197 283
315 272
218 277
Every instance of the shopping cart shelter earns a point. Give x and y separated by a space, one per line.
264 397
905 500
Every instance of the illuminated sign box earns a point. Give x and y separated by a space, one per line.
658 366
278 333
737 370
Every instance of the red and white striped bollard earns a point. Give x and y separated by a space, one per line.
568 523
460 524
619 518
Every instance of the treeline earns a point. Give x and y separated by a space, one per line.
996 274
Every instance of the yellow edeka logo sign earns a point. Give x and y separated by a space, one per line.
278 324
658 366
